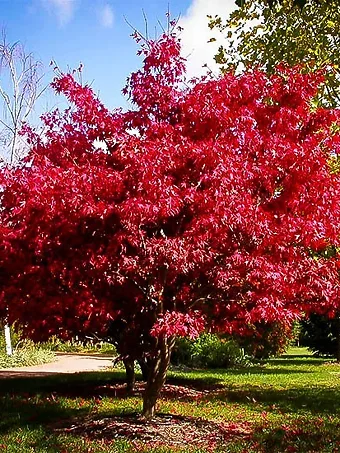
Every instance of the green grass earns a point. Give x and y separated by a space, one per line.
290 404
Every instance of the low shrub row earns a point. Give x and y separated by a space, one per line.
25 352
208 351
76 346
26 357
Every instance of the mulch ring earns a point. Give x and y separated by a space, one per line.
162 430
170 430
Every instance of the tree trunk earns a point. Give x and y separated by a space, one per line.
145 368
157 376
130 374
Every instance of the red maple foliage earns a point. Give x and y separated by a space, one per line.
203 209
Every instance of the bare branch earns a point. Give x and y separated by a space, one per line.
146 25
19 89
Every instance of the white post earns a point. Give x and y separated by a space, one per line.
8 340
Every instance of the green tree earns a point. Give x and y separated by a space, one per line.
262 33
322 334
271 3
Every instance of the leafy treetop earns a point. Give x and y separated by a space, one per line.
271 3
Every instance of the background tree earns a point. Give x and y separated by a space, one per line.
20 88
271 3
263 34
201 211
321 334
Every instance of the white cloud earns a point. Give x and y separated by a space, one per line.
63 9
196 34
106 16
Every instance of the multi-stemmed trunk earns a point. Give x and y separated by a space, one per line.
157 375
130 374
145 368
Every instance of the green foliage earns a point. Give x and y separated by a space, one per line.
262 35
74 346
26 357
296 334
320 334
271 3
25 353
335 164
208 351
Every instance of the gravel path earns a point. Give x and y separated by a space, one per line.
65 363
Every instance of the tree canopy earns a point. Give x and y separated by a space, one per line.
200 209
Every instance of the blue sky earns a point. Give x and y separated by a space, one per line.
95 33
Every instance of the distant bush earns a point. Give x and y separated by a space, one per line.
74 346
208 351
25 352
26 357
266 340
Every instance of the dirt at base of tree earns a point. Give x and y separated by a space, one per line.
162 430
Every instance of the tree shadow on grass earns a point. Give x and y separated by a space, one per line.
37 405
35 402
318 400
36 399
22 411
34 383
91 385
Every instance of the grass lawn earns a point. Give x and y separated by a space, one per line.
290 404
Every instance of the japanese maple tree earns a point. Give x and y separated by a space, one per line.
201 210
